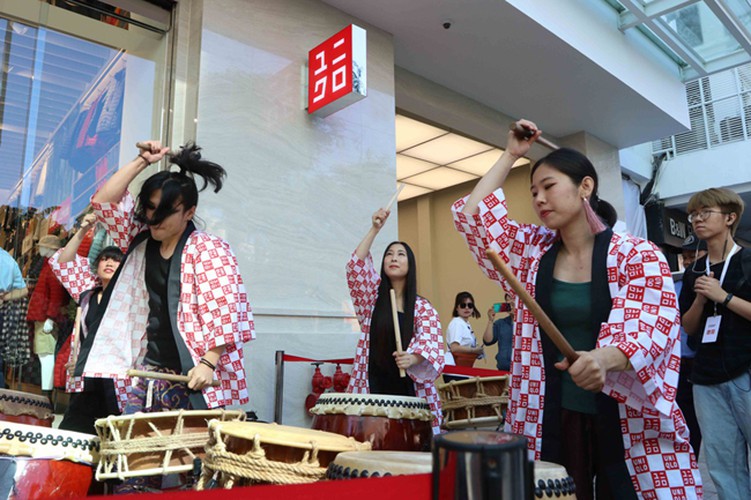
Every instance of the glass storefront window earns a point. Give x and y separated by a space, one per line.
67 105
78 88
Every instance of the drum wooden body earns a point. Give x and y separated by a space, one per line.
398 423
25 408
354 464
464 358
42 463
150 444
242 453
552 481
474 402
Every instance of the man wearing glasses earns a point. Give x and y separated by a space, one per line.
715 304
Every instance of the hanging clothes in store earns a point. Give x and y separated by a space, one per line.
99 129
15 337
48 297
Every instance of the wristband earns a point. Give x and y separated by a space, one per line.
144 159
207 363
727 300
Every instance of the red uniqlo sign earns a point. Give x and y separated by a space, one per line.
337 75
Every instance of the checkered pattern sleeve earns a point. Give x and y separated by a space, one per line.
491 228
222 301
363 281
119 221
426 342
644 323
72 383
75 276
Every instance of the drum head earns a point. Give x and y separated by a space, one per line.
552 481
289 436
500 380
382 463
45 443
15 403
375 405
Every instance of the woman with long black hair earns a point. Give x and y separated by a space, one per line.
610 417
377 360
178 303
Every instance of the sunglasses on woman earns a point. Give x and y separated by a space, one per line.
467 305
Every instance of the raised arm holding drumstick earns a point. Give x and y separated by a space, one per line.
194 312
93 397
612 298
379 359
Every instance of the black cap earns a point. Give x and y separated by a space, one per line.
694 243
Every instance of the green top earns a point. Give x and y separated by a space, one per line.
572 310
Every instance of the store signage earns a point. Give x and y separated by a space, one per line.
337 72
675 227
667 226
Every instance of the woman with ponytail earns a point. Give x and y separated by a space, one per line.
377 361
610 417
177 303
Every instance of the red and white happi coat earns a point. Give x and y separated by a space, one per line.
77 278
643 323
427 341
213 308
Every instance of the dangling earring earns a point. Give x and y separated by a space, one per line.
595 223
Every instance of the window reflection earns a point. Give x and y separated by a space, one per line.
61 122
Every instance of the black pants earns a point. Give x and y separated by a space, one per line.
581 457
98 400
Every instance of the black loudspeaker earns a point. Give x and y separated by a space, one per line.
481 465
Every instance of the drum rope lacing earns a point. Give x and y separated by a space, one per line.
116 446
255 466
454 400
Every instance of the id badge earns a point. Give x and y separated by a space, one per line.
711 329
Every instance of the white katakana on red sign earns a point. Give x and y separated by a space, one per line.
337 72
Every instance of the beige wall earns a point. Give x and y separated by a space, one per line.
444 264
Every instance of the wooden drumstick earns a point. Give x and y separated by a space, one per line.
542 318
172 377
525 133
76 338
396 195
397 330
143 146
393 199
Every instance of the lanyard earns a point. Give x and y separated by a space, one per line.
724 268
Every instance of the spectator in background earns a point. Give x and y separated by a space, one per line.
12 287
715 303
502 332
459 335
693 249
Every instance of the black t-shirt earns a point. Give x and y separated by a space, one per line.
383 377
94 312
730 355
161 349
